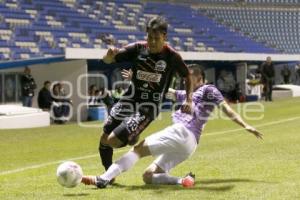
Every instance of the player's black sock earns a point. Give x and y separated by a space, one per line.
106 154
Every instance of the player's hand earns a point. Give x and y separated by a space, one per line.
254 131
171 94
126 74
187 107
110 55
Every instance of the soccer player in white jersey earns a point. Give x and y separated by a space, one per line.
177 142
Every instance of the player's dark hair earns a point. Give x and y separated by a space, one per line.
157 24
197 70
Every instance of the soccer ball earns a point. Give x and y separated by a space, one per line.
69 174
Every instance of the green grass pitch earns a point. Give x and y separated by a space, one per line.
229 163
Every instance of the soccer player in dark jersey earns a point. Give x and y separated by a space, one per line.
154 64
177 142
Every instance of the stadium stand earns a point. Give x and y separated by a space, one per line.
269 2
33 28
276 28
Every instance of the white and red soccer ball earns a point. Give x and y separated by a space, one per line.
69 174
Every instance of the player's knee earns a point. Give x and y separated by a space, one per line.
107 140
111 143
147 177
139 149
102 143
103 139
114 142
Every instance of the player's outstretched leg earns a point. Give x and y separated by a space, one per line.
123 164
156 175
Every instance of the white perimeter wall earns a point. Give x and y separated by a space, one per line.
88 53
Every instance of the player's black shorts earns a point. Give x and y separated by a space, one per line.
127 119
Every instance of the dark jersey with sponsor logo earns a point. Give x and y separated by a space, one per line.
152 73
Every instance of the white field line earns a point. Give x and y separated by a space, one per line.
126 149
54 163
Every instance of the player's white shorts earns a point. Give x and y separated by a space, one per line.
171 146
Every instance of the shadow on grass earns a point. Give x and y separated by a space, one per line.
200 185
114 185
231 180
162 188
76 194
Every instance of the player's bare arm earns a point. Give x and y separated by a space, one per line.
110 55
187 106
238 119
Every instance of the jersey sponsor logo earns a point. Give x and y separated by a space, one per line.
148 76
160 65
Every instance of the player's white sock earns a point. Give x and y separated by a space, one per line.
121 165
164 178
111 172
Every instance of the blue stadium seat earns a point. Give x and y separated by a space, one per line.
48 24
